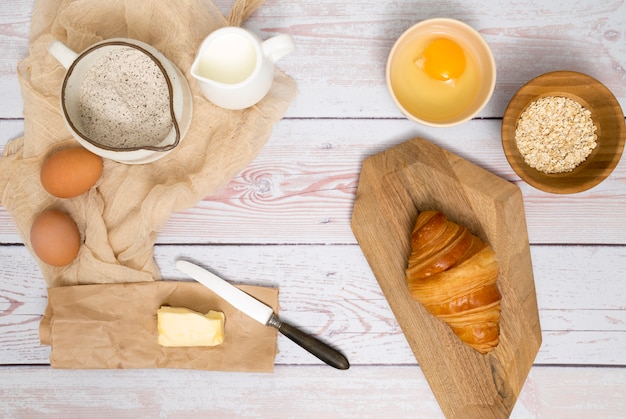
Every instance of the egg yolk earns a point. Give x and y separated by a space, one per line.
444 60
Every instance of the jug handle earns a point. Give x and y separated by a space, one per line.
62 53
278 46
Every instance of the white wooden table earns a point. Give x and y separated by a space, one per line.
285 221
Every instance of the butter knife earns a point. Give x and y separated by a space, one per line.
262 313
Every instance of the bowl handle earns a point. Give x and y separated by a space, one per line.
62 53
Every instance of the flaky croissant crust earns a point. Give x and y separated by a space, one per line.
453 274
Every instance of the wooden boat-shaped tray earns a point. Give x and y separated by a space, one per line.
418 175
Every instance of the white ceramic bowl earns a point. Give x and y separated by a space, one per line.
181 104
471 42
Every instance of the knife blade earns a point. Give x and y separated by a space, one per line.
263 313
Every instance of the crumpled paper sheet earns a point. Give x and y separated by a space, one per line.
115 326
120 217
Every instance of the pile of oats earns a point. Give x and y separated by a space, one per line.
555 134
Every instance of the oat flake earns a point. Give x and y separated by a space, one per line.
555 134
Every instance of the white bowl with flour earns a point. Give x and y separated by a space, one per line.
124 100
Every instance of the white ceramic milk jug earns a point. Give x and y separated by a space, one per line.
235 69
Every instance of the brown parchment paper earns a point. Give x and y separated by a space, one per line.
115 326
120 217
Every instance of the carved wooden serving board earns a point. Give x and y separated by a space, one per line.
418 175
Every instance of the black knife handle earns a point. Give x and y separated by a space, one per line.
316 347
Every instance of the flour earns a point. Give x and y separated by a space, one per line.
124 101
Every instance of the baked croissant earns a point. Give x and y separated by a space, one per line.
453 274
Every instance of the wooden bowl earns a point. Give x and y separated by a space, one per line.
606 114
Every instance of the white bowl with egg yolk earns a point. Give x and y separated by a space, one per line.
441 72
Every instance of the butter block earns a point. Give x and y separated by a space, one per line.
183 327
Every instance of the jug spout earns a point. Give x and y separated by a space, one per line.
62 53
278 46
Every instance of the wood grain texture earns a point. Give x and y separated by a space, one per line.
341 47
350 43
330 291
302 185
315 391
14 31
285 221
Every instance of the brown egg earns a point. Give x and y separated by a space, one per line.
70 172
55 238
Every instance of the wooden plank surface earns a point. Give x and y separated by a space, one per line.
331 291
301 188
369 392
341 46
582 325
285 221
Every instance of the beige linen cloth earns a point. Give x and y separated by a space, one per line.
112 322
120 217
